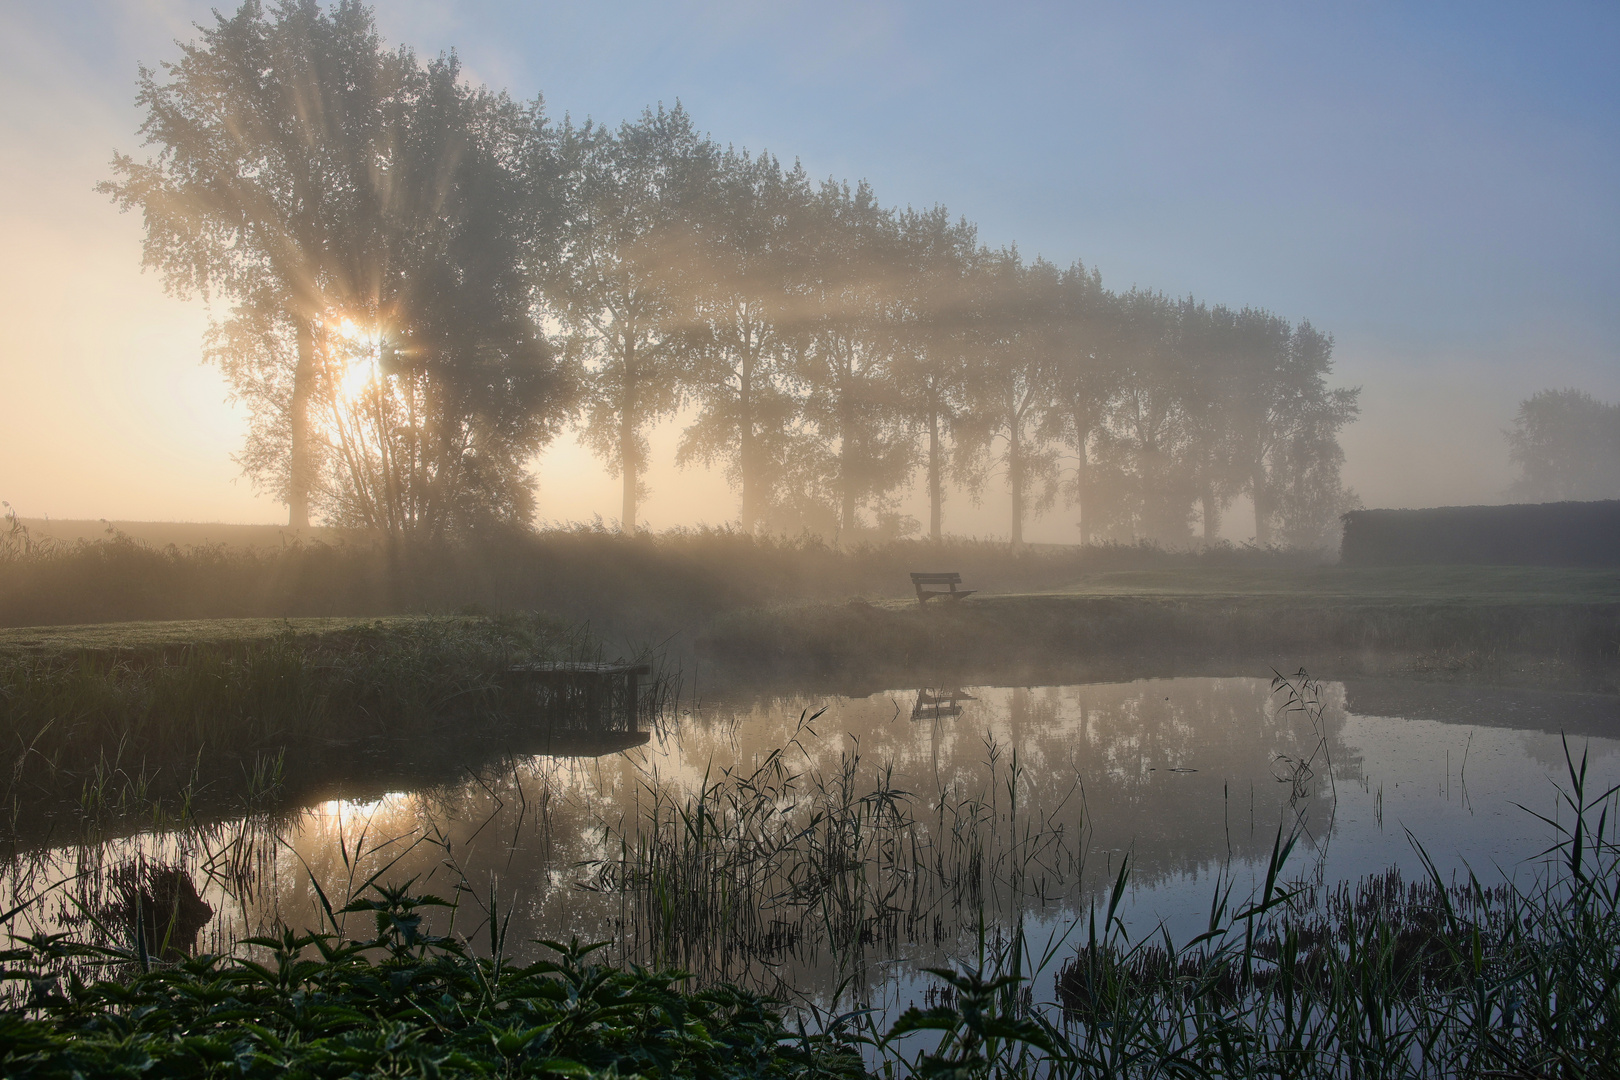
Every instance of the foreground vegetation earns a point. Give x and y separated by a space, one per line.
1433 979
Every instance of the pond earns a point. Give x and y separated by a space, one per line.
826 847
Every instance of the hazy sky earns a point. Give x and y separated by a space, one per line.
1437 185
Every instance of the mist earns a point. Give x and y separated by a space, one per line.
990 542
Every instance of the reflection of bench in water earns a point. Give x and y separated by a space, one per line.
939 704
583 692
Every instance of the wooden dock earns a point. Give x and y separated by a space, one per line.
589 683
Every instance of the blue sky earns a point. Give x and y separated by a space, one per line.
1437 185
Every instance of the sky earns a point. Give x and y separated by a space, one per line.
1436 185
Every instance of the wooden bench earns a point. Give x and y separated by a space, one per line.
922 581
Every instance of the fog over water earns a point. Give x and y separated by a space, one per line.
1435 189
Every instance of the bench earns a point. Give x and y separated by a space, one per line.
921 582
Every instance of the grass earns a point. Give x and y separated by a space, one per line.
1390 584
1077 636
649 584
781 864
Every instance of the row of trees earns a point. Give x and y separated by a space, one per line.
428 281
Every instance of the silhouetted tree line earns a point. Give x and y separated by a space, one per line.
428 281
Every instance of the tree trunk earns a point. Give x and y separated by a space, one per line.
1015 486
1262 505
300 469
936 487
628 455
1212 517
745 450
1082 476
846 483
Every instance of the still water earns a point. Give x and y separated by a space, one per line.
1018 805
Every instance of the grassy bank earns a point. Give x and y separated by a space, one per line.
128 718
645 583
1076 636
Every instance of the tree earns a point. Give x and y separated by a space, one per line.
1285 414
268 130
1085 380
1208 344
374 224
752 250
1147 428
1009 391
929 324
1566 444
843 354
623 286
439 392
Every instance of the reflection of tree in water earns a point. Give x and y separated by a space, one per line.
1180 772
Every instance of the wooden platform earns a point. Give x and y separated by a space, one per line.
572 667
588 685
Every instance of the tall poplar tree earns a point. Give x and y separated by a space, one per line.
624 284
752 252
844 356
1085 380
1011 385
929 324
267 130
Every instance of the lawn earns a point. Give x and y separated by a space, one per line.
1393 584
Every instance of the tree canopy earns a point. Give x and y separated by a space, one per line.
1566 445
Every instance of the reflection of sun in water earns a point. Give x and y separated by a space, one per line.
342 812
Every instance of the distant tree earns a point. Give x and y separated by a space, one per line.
1085 380
1286 414
752 251
1307 491
624 285
930 326
1146 443
844 356
1566 445
1209 346
1010 388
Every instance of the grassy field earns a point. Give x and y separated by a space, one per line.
163 634
1513 626
1393 584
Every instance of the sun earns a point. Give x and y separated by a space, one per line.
357 357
